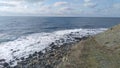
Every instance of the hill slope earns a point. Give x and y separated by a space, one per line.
100 51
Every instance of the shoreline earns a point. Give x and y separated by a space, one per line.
101 50
48 58
54 50
92 51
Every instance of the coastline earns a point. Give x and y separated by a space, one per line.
101 50
23 49
51 58
98 51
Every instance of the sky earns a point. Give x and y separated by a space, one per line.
79 8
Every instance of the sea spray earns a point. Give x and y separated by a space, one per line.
12 51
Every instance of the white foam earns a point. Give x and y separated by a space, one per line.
26 45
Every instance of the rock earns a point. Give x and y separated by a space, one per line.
52 44
30 56
55 47
52 55
35 54
40 53
48 66
11 50
22 58
1 60
5 64
48 58
77 38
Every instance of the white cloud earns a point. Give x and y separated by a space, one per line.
6 5
87 0
33 1
30 1
60 4
38 8
89 3
66 8
68 11
19 6
116 5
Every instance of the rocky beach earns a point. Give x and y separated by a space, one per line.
99 51
42 49
59 33
48 58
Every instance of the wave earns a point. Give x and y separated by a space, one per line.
26 45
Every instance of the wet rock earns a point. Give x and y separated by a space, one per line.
16 51
5 64
40 53
24 63
16 59
55 47
30 56
52 44
16 67
48 58
84 38
1 60
35 54
48 66
78 38
11 50
52 54
22 58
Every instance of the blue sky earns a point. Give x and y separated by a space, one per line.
81 8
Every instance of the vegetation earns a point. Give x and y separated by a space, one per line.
100 51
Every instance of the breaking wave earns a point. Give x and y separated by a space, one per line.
25 45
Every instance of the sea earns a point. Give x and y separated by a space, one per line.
21 36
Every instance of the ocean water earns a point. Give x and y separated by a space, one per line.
21 36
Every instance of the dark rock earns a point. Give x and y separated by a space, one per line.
84 38
16 67
14 51
5 64
52 44
16 59
22 58
11 49
52 54
78 38
24 63
11 62
106 42
40 53
1 60
111 28
35 54
30 56
55 47
48 66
